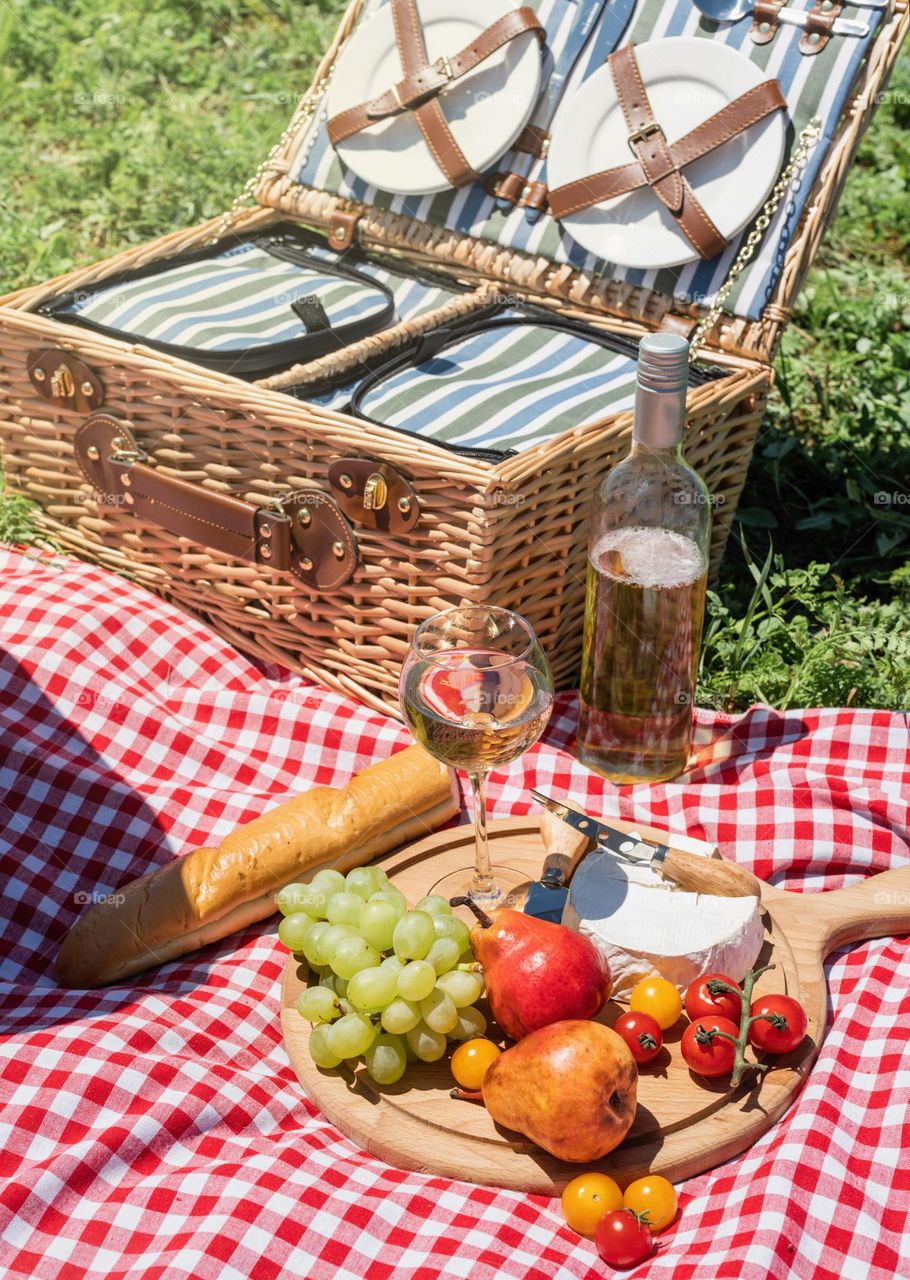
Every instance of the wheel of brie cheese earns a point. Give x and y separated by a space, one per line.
644 925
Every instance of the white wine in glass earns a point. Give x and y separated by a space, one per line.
477 691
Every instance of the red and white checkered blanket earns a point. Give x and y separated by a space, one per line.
157 1130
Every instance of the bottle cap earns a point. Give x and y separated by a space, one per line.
663 362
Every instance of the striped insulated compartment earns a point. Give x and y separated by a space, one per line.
236 300
241 299
506 387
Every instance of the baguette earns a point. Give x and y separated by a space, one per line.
211 893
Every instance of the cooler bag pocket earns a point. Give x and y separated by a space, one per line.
249 309
503 385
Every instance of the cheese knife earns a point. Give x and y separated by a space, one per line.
690 871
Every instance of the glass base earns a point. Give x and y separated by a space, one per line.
510 889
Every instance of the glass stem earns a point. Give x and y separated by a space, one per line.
482 885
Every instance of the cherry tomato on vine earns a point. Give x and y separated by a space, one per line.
587 1198
653 1197
784 1030
657 996
622 1240
702 1002
709 1055
642 1034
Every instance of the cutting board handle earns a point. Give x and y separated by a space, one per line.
877 908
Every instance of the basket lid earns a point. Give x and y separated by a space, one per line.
499 226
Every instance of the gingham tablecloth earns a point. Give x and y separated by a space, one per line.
156 1130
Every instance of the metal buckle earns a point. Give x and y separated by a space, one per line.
444 68
125 449
639 135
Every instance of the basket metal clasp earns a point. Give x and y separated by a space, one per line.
124 447
375 492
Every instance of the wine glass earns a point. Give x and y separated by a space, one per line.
477 691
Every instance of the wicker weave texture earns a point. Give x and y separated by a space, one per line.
512 533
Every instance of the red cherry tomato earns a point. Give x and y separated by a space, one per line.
784 1030
642 1034
701 1002
622 1240
709 1055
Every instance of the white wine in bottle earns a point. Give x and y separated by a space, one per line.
647 575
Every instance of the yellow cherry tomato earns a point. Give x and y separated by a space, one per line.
654 1196
470 1061
657 996
586 1199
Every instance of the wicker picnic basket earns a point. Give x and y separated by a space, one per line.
250 458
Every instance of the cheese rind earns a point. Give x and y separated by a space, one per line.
642 925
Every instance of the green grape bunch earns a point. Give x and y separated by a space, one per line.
394 984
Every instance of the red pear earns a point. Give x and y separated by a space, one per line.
536 972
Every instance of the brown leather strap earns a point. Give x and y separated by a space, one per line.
819 27
649 143
532 141
343 228
308 536
215 520
765 22
438 136
659 164
423 82
515 189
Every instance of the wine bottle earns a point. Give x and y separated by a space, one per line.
646 581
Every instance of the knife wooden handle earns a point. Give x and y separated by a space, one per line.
716 876
564 845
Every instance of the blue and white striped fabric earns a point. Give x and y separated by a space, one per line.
412 297
505 388
237 300
241 299
816 85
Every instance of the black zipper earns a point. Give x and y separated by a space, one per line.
413 354
292 234
251 363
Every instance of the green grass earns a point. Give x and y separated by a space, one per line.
123 121
828 491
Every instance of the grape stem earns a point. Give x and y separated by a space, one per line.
479 912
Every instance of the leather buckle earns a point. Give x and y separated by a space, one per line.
639 135
410 100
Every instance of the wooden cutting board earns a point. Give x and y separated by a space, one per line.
683 1125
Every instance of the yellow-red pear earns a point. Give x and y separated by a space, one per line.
570 1087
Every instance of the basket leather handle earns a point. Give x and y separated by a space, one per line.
307 535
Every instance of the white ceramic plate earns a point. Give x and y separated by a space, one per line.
486 110
687 81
